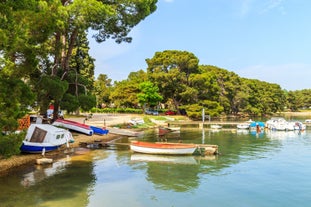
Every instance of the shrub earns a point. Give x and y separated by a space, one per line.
10 144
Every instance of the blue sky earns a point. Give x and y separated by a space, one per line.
268 40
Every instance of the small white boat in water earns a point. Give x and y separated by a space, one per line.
280 124
243 126
216 126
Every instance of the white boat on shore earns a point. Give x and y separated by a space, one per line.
41 138
75 126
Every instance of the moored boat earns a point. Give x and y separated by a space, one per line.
243 125
216 126
164 148
75 126
298 125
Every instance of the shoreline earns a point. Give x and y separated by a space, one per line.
17 162
100 120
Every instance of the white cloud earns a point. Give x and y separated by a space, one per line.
260 6
272 4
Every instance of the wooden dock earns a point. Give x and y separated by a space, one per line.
207 124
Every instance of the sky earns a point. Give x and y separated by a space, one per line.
268 40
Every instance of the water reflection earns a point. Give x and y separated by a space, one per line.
174 173
176 177
102 177
242 131
283 134
42 172
184 160
65 183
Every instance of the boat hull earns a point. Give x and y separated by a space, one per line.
75 126
99 131
163 149
31 148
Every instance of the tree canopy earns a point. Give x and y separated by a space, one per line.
43 43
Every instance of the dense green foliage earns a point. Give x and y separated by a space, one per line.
10 144
117 110
193 86
46 61
149 95
300 99
102 87
44 52
124 93
15 98
185 85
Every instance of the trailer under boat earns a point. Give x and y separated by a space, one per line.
169 148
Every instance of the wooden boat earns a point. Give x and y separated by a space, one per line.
164 148
75 126
41 138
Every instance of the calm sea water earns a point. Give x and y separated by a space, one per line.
267 169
